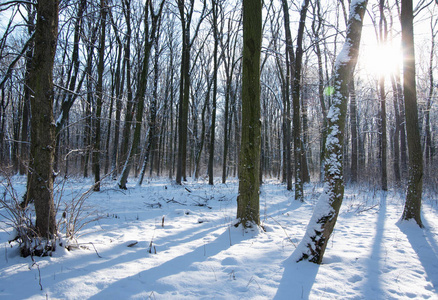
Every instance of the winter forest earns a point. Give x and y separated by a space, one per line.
218 149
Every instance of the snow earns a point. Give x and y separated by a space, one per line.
201 255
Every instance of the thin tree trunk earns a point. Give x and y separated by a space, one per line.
170 157
141 92
298 151
152 137
428 146
129 113
290 57
354 139
24 147
215 12
383 36
184 95
119 93
200 146
396 140
99 97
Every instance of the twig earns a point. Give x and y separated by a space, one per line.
290 239
366 209
251 280
39 272
174 201
95 250
203 198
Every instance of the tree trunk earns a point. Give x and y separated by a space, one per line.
382 136
316 27
226 126
354 140
248 208
24 147
184 93
151 140
230 63
412 209
298 151
99 97
215 12
396 140
321 225
200 144
129 113
141 91
428 144
119 92
383 34
42 121
290 57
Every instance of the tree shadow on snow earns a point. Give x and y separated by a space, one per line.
372 285
151 280
110 260
297 280
424 243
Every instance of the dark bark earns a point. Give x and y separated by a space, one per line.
150 34
412 209
183 92
290 57
215 13
151 140
24 146
119 86
42 147
248 208
396 139
383 36
296 87
129 112
428 144
354 139
99 97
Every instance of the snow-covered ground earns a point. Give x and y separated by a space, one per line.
197 253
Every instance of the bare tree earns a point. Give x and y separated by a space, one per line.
186 16
248 208
298 143
40 185
99 96
149 37
215 20
412 209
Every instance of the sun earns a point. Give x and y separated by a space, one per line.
378 60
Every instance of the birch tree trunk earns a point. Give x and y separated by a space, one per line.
322 223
